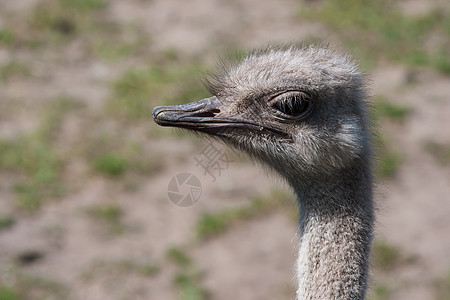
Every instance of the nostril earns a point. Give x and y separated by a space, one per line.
207 114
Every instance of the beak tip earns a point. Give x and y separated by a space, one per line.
163 116
157 114
170 115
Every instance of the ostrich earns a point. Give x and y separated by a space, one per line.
301 111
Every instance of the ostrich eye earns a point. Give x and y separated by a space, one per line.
292 105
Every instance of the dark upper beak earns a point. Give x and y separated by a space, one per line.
205 116
194 112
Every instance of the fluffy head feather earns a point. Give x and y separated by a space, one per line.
333 135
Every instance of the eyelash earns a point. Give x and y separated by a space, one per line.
291 105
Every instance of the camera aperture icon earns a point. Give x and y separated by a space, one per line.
184 189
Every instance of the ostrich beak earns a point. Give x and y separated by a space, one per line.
194 112
198 116
205 116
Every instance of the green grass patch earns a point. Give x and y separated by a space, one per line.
83 6
137 91
379 292
442 287
379 28
9 293
115 42
384 256
385 109
188 287
119 268
64 17
178 257
7 37
6 222
441 62
440 152
13 69
388 160
388 164
109 216
187 278
33 156
24 286
46 287
212 224
148 269
55 22
107 212
53 115
115 51
112 165
115 155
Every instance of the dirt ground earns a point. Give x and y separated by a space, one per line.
119 237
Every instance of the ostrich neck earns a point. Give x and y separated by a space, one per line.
336 224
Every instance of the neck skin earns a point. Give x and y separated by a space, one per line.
336 225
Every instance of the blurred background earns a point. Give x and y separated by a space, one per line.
84 171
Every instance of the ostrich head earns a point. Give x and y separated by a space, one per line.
301 111
298 110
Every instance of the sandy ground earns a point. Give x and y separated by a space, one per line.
255 258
